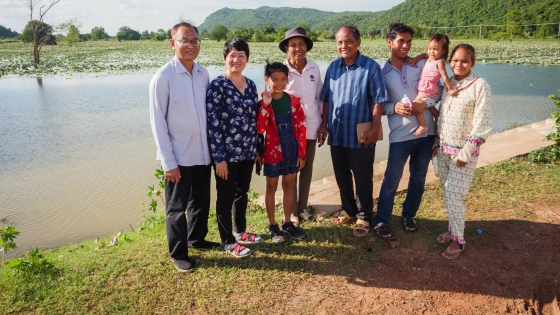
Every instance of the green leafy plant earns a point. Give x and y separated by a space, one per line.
150 218
548 154
156 192
252 205
33 264
555 134
7 235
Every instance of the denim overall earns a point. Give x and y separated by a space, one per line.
289 147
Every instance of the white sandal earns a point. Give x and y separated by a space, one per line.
306 216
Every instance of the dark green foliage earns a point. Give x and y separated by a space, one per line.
45 33
7 33
8 234
509 13
555 134
161 34
219 33
33 264
549 154
276 17
126 33
98 33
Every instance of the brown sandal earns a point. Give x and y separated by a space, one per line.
454 253
444 237
341 217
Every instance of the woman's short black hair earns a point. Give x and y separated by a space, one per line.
469 48
275 67
238 44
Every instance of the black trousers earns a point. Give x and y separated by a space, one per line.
191 193
359 163
232 197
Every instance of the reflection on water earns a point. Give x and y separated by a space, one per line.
77 155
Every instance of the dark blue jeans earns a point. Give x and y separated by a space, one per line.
419 151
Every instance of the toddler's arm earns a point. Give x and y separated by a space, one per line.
446 80
414 60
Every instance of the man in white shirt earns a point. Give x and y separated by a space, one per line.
178 120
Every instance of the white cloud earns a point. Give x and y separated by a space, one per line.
152 15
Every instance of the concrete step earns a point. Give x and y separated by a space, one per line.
325 196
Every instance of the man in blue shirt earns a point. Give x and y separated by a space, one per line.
352 94
402 78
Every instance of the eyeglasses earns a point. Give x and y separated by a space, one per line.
186 42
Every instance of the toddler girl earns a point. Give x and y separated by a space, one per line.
282 119
464 125
428 86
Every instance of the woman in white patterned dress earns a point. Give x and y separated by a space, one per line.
465 123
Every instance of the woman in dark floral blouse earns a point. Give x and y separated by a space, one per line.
231 106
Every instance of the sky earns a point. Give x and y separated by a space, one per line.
152 15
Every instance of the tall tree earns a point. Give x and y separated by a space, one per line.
126 33
98 33
220 32
371 32
37 28
46 34
71 29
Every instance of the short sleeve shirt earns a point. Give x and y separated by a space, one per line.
351 91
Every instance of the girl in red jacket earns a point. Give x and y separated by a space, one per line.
282 120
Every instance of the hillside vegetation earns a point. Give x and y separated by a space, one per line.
290 17
500 18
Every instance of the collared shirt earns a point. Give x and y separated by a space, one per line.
232 122
399 83
178 115
351 91
307 86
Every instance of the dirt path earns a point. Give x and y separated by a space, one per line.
513 267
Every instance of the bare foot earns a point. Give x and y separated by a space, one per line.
453 251
420 130
295 220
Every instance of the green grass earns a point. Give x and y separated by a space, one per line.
112 57
137 277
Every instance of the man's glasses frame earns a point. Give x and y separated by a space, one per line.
187 42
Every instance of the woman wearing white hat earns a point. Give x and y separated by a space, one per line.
304 81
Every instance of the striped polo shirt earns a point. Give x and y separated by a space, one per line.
351 91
